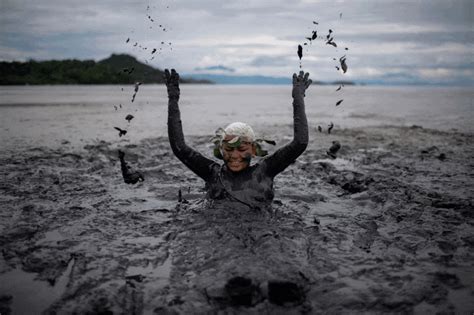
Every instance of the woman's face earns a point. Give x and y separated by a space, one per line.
237 158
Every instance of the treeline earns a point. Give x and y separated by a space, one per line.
117 69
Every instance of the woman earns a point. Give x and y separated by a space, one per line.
236 179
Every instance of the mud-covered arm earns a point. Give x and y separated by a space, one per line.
195 161
287 154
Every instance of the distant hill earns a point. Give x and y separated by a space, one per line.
256 79
242 79
117 69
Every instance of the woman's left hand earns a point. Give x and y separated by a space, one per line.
172 83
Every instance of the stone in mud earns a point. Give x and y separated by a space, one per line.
332 151
137 278
448 279
28 208
416 127
441 157
5 302
353 187
285 293
242 292
430 149
216 292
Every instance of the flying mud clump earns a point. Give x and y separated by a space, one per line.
154 50
137 84
300 53
122 132
342 60
330 126
129 117
329 39
332 151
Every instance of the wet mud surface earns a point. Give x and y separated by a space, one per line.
386 226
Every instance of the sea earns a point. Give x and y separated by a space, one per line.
79 114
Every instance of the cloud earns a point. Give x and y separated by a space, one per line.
415 39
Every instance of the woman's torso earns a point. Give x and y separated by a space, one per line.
250 186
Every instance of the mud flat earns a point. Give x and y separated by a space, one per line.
387 226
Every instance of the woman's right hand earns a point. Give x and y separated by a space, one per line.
300 83
172 83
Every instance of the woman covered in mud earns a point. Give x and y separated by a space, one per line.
237 179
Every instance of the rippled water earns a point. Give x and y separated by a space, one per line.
51 115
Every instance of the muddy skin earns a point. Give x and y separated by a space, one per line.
252 186
248 158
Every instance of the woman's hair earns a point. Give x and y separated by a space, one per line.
241 132
240 129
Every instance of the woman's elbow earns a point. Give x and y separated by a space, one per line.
300 145
303 145
179 149
302 140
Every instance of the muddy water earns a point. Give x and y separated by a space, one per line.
385 227
55 116
32 296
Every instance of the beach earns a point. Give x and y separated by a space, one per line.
386 227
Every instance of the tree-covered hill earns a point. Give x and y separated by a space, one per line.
117 69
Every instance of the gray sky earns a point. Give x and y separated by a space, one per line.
412 41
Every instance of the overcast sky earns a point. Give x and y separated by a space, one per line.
408 41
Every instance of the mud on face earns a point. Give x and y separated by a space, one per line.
237 156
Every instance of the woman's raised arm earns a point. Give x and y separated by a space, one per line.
287 154
195 161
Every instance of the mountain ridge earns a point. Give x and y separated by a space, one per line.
116 69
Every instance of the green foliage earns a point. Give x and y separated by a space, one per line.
107 71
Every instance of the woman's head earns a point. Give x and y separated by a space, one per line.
238 146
